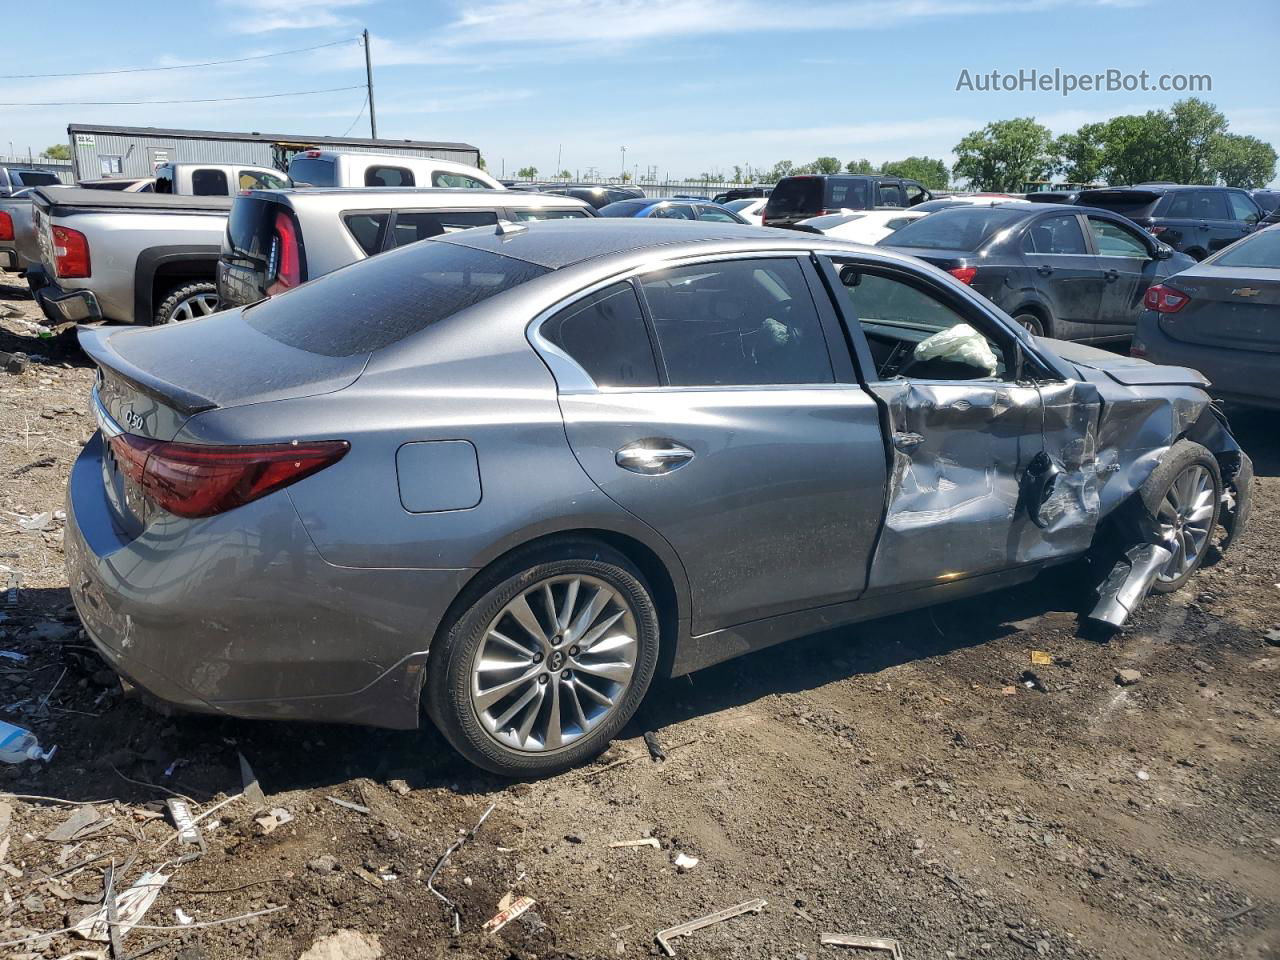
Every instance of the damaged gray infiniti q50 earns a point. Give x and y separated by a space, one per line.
503 478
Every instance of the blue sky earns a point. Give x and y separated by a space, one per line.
686 87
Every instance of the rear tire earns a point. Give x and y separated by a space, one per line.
530 626
1196 254
1183 495
188 302
1033 324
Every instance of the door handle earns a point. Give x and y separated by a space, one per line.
653 457
907 441
1044 270
1112 275
1203 226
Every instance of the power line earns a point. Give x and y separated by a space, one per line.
180 66
136 103
363 104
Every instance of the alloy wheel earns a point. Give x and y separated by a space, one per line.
554 663
1184 518
196 305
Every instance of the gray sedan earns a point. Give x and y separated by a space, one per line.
506 478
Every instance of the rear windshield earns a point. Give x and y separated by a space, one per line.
311 172
1267 201
34 178
796 195
378 302
1260 250
249 227
625 208
959 228
1128 203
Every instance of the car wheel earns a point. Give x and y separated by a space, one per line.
547 662
1034 325
1196 254
1183 495
188 302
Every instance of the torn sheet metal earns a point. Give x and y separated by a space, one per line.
1128 583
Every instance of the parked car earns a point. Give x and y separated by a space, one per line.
812 195
672 209
125 257
328 168
750 209
1267 200
13 179
123 184
19 250
1068 272
277 239
742 193
869 226
966 200
1194 220
597 196
441 481
216 179
1222 317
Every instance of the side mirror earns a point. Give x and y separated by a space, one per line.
1163 251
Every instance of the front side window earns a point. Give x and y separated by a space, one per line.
1114 240
258 180
1242 208
737 323
605 334
209 182
673 211
388 177
368 229
441 178
890 195
915 193
715 215
913 334
1056 235
412 227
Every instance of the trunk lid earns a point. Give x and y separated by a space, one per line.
1229 308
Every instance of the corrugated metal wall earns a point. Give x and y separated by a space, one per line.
139 154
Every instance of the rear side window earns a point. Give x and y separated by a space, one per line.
1059 235
623 208
848 193
207 182
738 322
958 228
312 172
380 301
368 229
533 214
796 195
1129 203
440 178
606 335
388 177
412 227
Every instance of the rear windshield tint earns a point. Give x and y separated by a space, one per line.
311 172
249 227
796 195
956 229
377 302
1260 250
32 178
1135 203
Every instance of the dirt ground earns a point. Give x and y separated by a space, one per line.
897 779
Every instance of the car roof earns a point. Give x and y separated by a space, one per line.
376 198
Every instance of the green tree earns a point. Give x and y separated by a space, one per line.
934 174
626 176
527 173
1193 126
1004 155
564 175
480 162
59 151
826 165
860 166
1240 161
783 168
737 173
1078 156
1136 148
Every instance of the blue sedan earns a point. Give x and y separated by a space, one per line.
674 209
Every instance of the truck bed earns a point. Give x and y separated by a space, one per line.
65 201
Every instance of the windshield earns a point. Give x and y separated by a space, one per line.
34 178
311 172
960 228
1260 250
737 206
625 208
378 302
1129 203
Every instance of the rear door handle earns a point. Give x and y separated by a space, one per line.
907 441
1044 270
1111 275
653 457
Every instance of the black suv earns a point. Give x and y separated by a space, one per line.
813 195
1195 220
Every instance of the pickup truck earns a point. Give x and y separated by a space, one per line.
330 168
14 178
125 257
216 179
18 250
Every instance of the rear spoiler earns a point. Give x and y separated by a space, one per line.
96 343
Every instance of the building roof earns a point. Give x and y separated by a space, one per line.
74 128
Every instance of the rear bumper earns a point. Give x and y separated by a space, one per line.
238 614
67 306
8 260
1242 376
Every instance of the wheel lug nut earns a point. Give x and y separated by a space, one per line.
537 658
574 651
543 678
566 675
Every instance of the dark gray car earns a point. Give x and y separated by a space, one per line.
509 476
1222 317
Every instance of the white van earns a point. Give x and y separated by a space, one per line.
327 168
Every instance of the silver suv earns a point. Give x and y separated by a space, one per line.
277 239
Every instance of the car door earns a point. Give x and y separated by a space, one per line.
964 430
1066 272
1213 218
1245 212
747 443
1128 266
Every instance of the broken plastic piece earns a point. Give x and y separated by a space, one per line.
684 863
188 832
1128 583
642 842
132 906
509 913
884 944
357 807
665 937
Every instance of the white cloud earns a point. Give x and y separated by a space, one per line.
265 16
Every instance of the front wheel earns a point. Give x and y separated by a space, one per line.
545 666
1183 495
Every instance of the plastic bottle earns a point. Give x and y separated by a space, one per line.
18 744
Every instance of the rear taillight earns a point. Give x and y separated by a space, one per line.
964 274
284 265
70 253
1164 299
6 227
199 480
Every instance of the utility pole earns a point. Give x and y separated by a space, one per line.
624 159
368 73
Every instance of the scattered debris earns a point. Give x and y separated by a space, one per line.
1032 681
357 807
132 906
664 937
684 863
1127 678
1272 637
18 744
327 863
1143 775
182 917
882 944
1040 658
1236 914
642 842
275 817
45 461
188 833
37 522
85 822
506 914
400 787
655 748
13 362
345 945
250 790
444 858
11 655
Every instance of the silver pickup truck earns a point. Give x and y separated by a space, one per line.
18 249
125 257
